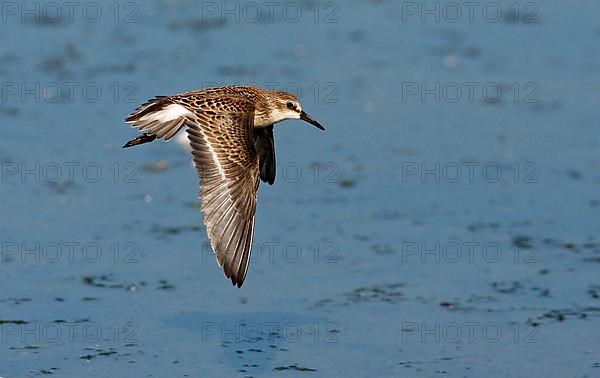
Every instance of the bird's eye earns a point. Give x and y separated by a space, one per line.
291 105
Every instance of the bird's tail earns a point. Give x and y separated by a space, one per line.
159 118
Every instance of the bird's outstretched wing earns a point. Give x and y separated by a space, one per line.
265 147
221 134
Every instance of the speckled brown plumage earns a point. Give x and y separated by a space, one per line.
230 130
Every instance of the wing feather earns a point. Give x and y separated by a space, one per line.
160 117
228 166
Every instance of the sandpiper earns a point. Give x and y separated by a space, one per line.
230 130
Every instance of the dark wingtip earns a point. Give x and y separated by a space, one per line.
145 138
233 277
235 282
131 143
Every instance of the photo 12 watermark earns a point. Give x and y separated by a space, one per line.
288 252
69 12
68 92
471 172
253 332
69 171
468 332
55 252
452 12
66 331
469 92
471 252
326 12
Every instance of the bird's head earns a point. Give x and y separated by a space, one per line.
284 105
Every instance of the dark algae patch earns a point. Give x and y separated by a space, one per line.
561 315
523 242
108 281
163 232
505 287
16 322
383 293
15 301
165 285
99 353
294 368
347 183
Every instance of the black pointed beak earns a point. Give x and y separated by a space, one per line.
311 120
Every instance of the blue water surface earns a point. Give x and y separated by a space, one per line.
445 224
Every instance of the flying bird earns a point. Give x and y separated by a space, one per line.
230 130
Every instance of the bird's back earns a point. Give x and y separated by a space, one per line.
251 94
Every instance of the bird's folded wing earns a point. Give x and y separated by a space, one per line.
223 150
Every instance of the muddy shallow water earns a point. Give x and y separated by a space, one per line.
445 224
